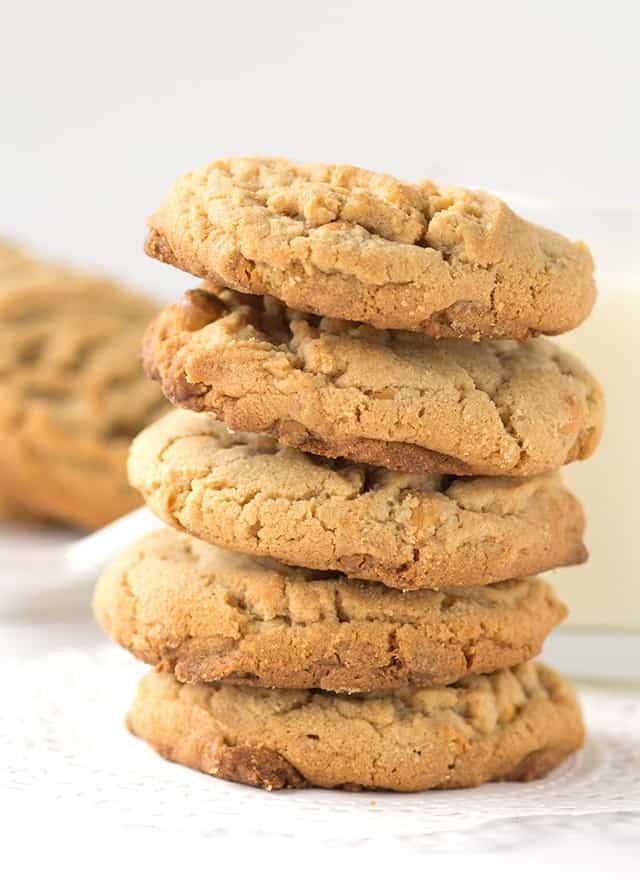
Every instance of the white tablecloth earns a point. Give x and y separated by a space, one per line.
67 764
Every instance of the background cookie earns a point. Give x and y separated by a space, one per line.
207 615
248 493
71 392
395 399
348 243
13 260
512 725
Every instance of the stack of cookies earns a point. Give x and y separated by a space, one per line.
360 483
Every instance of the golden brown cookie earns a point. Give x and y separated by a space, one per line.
400 400
209 615
71 392
512 725
347 243
11 511
13 260
248 493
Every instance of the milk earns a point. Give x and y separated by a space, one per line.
604 593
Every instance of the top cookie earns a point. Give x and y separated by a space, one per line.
348 243
71 392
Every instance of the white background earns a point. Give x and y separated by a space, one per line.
104 104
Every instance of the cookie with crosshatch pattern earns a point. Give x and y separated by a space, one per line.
515 724
249 493
72 395
207 615
400 400
348 243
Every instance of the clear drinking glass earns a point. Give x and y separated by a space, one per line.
601 638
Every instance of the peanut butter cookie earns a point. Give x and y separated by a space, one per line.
347 243
399 400
512 725
248 493
71 392
209 615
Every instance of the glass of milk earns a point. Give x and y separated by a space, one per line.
601 638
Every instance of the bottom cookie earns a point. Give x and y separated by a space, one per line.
515 724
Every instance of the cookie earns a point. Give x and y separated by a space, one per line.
248 493
71 392
13 260
347 243
11 511
512 725
209 615
399 400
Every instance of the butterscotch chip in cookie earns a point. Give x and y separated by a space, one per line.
208 615
515 724
248 493
351 244
71 392
400 400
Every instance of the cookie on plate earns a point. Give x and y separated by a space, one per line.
251 494
71 392
399 400
209 615
351 244
512 725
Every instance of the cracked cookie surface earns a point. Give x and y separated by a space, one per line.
207 615
348 243
511 725
71 392
249 493
400 400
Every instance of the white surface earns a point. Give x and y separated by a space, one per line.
55 819
72 781
46 568
68 752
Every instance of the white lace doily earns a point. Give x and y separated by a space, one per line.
62 741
